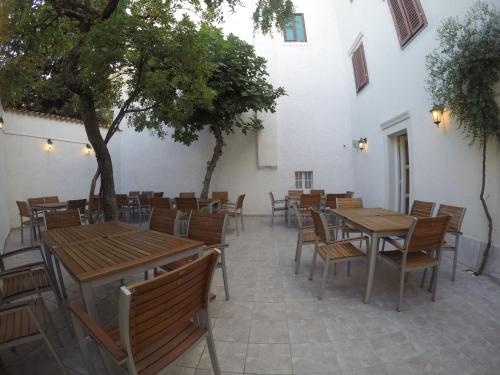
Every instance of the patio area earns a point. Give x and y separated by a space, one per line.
274 323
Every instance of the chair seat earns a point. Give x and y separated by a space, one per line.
340 251
22 283
308 237
413 260
18 323
170 346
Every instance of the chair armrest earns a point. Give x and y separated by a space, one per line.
394 243
21 251
97 332
15 272
215 246
8 307
351 239
28 266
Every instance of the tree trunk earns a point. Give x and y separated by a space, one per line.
102 155
486 252
219 144
92 193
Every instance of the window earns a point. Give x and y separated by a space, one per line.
303 180
295 30
408 17
359 66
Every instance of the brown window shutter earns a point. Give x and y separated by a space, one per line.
359 66
408 18
415 15
402 26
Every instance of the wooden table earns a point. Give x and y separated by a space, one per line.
377 223
49 206
99 254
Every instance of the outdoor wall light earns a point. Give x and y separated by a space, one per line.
437 114
50 145
1 122
362 144
88 149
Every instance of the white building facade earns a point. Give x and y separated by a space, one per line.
312 131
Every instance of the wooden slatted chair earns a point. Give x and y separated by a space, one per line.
222 196
310 201
94 210
35 201
187 204
78 204
160 202
164 220
158 194
27 321
62 219
421 250
234 210
348 203
28 219
331 200
187 195
122 205
158 320
349 194
306 234
318 192
148 193
209 229
51 199
332 251
144 204
278 205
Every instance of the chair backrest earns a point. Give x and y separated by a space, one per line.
158 194
148 194
52 199
33 201
163 220
310 201
303 217
77 204
331 199
271 195
295 194
160 203
349 194
457 216
144 199
208 228
133 194
349 203
422 209
62 219
186 195
121 200
320 227
24 210
427 233
223 196
153 311
187 204
239 201
318 192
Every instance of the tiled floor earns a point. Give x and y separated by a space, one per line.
274 324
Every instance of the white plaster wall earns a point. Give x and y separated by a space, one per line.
308 132
31 171
4 194
444 168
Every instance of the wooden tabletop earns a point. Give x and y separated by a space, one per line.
376 220
49 206
91 259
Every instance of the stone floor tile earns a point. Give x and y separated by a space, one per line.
269 332
310 358
268 359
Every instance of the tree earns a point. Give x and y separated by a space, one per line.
238 80
462 75
87 56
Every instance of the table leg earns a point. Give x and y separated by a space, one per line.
50 269
371 266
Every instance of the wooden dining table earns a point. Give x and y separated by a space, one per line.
49 206
103 253
376 223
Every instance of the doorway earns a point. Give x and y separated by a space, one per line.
403 173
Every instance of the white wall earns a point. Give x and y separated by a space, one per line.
4 194
444 168
309 132
32 171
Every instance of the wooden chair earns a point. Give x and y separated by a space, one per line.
144 204
421 250
35 201
27 321
234 210
222 196
158 194
94 210
187 195
187 204
51 199
133 193
148 193
158 320
306 234
349 194
122 205
159 203
295 194
332 251
164 220
421 209
78 204
28 219
308 201
278 205
331 200
321 193
348 203
62 219
209 229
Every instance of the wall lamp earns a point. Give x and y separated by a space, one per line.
88 149
362 143
1 122
437 114
49 145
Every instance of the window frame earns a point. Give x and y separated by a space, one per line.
295 29
304 179
402 6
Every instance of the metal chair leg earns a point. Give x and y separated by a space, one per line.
236 224
313 263
211 347
401 288
224 273
298 256
424 276
455 258
435 280
323 280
